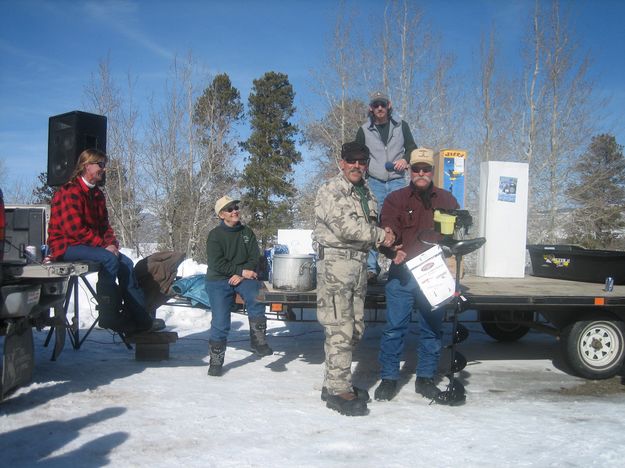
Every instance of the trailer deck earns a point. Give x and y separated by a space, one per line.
589 321
481 293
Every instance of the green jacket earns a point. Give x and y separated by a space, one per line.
230 250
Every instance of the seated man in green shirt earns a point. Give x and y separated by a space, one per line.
232 253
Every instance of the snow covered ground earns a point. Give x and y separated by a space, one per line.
99 406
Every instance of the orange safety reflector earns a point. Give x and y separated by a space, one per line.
276 307
599 300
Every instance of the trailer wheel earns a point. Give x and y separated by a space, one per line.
595 347
504 326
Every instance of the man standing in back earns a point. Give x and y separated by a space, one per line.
390 143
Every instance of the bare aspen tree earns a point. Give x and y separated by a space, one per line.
186 159
104 97
166 157
567 126
487 76
335 85
542 118
534 94
403 60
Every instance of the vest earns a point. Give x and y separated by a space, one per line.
380 154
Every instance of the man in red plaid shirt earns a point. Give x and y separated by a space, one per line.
79 230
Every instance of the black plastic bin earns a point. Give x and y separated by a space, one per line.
571 262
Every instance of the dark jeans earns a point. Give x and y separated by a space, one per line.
221 297
115 267
402 296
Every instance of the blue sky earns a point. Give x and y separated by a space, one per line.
49 49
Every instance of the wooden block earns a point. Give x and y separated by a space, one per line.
153 337
152 346
152 352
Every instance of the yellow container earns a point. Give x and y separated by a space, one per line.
446 221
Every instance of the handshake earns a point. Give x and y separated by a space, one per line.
389 237
389 240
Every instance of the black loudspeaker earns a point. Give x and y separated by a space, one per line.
69 135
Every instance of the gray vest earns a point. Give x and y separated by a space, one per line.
380 154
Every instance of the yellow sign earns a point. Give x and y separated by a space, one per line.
453 153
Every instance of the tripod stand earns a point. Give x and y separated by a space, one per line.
455 393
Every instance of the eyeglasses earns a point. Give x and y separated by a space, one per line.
417 169
381 104
101 164
360 162
230 209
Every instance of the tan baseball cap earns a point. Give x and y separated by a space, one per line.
223 202
422 155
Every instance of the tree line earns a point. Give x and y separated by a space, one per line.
163 186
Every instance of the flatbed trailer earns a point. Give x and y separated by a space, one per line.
588 321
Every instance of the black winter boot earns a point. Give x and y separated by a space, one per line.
217 350
258 341
386 391
348 404
360 393
109 311
426 387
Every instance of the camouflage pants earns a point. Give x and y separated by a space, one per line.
341 289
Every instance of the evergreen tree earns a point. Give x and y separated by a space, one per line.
598 220
43 193
268 187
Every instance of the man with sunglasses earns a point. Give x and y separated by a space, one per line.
409 212
79 230
345 229
389 142
232 256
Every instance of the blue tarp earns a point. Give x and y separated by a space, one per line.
193 288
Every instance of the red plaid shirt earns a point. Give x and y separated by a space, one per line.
78 216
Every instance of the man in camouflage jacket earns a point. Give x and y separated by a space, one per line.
345 230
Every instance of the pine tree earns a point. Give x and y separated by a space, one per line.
43 193
598 220
268 187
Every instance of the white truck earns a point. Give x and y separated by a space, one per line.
28 294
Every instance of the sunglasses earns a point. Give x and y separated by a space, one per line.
101 164
360 162
230 209
416 169
381 104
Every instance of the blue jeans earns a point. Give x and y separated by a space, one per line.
221 296
114 267
402 296
380 191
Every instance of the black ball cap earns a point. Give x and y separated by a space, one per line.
354 150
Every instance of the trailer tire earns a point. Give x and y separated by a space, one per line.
594 348
501 325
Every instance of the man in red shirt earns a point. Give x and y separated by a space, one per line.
409 212
79 230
